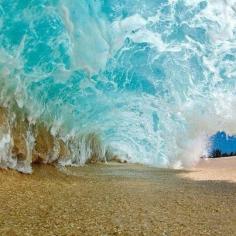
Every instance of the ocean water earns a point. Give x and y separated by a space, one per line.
153 79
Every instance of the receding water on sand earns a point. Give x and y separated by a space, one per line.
114 199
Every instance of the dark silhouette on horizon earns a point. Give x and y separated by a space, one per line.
217 153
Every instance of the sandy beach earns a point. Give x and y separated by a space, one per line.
119 199
214 169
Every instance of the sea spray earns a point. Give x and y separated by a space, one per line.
23 143
155 79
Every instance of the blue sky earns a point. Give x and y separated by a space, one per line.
224 142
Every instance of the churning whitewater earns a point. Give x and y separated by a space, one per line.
143 80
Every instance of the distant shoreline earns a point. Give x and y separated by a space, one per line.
221 169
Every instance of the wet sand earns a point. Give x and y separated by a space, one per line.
114 199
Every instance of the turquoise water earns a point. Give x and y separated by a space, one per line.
153 78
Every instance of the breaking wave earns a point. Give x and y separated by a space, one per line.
146 81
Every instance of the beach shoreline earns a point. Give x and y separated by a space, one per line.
221 169
114 199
